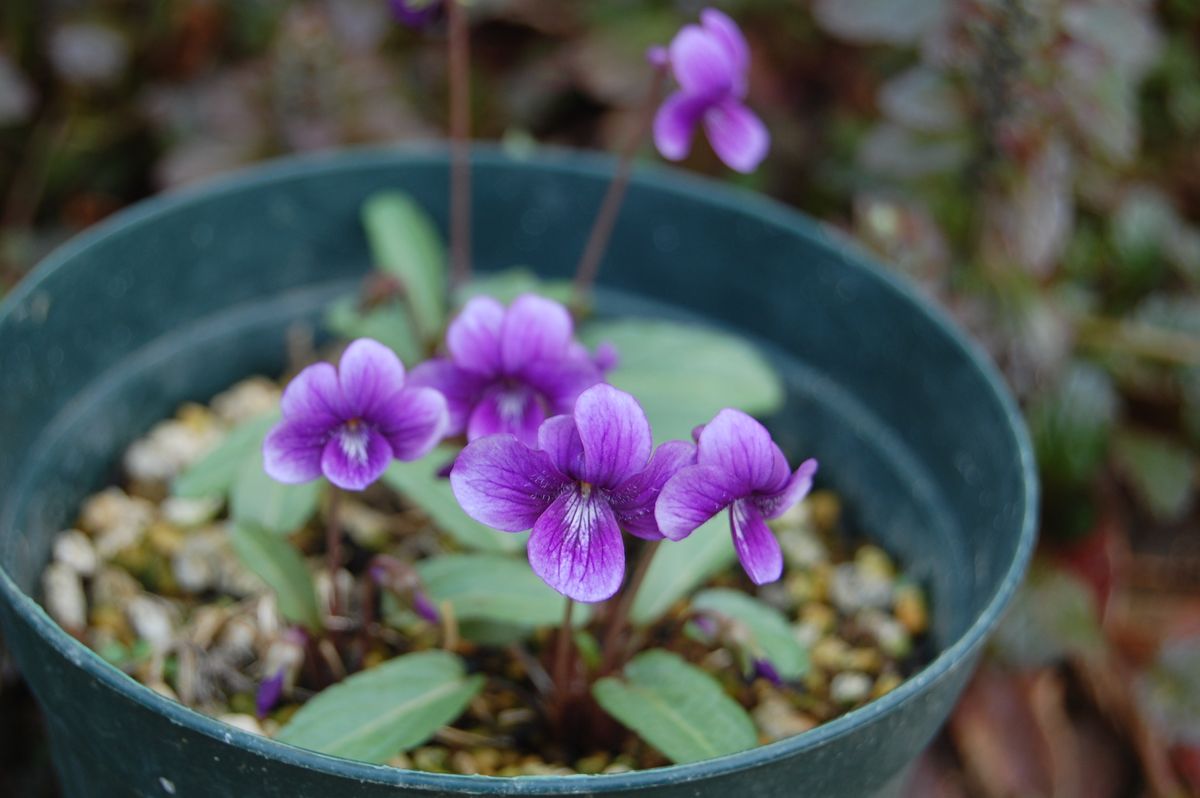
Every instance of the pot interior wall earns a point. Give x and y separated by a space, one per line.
177 299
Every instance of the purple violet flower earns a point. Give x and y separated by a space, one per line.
710 62
591 475
270 690
348 423
763 668
508 370
416 13
737 466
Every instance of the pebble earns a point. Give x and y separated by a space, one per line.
910 608
113 587
850 687
151 620
802 548
853 589
246 400
889 634
170 447
74 549
64 596
190 512
777 718
247 723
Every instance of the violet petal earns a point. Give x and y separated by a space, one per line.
576 547
633 501
425 608
314 394
535 329
515 411
369 374
702 64
270 691
691 497
558 437
742 448
737 135
474 337
292 450
616 435
504 484
462 389
730 37
675 124
413 421
773 505
755 544
354 457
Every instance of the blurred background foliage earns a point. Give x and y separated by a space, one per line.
1033 165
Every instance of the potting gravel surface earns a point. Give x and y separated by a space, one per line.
152 584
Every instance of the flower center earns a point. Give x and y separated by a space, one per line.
585 490
353 439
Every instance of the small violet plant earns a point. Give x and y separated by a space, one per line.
347 423
509 369
710 62
590 475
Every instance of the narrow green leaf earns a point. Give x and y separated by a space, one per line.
281 566
769 634
388 324
1052 617
493 587
679 568
257 499
419 483
683 373
677 708
386 710
214 474
1161 471
509 284
405 243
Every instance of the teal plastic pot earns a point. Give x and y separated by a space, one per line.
180 296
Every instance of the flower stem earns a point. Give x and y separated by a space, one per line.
616 624
593 253
562 655
460 145
333 547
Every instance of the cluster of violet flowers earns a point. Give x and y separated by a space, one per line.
550 447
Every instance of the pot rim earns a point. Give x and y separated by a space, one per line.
573 163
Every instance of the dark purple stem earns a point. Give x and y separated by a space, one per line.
593 252
460 144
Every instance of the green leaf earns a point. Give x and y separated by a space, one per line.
679 568
493 587
406 244
282 567
257 499
677 708
1053 616
1170 689
769 636
683 373
509 284
1071 425
386 710
419 483
388 324
1161 471
214 474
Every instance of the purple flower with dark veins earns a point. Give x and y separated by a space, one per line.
737 466
510 369
710 61
416 13
591 475
348 423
